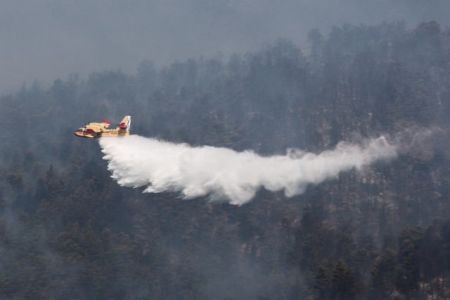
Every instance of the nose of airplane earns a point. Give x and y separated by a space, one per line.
78 132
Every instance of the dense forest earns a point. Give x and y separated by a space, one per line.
68 231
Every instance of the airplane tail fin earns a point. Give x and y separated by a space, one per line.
125 124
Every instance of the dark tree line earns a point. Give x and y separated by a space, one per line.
68 231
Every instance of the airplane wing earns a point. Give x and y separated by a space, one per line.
106 123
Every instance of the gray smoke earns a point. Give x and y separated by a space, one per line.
223 173
46 39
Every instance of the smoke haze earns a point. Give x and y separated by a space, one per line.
223 173
46 39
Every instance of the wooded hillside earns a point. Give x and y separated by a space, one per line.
68 231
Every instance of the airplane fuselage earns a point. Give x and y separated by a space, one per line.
98 130
86 133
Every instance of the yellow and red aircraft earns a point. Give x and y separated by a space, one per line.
102 129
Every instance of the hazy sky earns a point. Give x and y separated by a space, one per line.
47 39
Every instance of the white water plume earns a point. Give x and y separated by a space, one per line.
223 173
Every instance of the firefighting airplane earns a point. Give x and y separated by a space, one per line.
102 129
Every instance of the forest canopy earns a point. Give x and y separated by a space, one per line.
67 230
